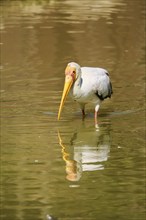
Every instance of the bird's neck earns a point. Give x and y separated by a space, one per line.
76 89
78 81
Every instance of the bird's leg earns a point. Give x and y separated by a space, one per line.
95 117
95 114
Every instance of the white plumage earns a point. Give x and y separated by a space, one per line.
87 85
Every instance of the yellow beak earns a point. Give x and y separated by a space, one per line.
67 85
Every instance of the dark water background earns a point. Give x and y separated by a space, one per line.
68 169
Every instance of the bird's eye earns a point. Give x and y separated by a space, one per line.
74 72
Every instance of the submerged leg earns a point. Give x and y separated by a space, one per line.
82 106
83 114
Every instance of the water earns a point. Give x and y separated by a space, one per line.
68 169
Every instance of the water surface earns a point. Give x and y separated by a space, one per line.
69 169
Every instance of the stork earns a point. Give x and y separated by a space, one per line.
86 85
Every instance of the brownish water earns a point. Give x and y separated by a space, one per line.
68 169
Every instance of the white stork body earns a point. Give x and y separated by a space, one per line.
88 85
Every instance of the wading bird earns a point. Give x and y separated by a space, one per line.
87 85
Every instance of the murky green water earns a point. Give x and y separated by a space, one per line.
68 169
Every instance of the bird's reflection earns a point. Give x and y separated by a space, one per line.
90 151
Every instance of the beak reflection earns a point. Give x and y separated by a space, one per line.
72 171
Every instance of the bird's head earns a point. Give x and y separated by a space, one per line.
72 72
73 69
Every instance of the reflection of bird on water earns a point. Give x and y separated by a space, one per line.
90 151
88 85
